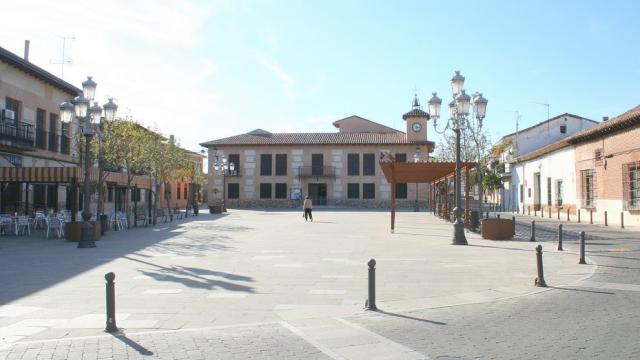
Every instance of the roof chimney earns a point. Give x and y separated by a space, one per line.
605 118
26 50
172 139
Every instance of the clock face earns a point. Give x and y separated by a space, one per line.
416 127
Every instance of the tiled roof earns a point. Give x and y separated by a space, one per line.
620 122
314 139
37 72
547 121
415 113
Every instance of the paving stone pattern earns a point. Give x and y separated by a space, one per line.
271 341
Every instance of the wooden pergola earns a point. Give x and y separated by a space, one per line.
436 173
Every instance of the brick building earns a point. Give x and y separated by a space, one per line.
608 168
339 168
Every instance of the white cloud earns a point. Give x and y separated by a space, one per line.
145 53
276 69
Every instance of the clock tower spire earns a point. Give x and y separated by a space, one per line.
416 120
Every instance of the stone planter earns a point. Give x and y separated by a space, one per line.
497 229
73 231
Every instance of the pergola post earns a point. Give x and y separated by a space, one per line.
466 197
393 197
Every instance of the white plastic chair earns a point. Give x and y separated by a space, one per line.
5 224
40 220
123 221
55 224
22 224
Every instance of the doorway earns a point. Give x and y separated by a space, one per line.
318 194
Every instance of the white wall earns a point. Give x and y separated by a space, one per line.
546 134
558 165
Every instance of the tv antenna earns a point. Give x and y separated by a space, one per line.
547 105
64 59
518 116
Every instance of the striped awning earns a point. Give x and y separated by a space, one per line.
66 175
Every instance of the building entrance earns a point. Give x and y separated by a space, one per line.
318 194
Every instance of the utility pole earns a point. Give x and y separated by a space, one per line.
63 60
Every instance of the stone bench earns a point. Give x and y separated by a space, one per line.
497 229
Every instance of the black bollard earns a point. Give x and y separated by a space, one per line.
550 212
498 216
606 221
533 230
558 213
111 303
513 225
560 237
622 220
568 219
535 212
540 279
578 210
371 303
542 211
486 215
590 216
582 261
529 210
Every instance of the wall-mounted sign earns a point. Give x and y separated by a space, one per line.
296 194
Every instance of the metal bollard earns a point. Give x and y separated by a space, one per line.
582 261
535 212
513 225
533 230
578 210
550 212
111 303
560 237
498 216
590 216
486 215
542 211
606 222
558 213
568 218
528 210
622 220
371 302
540 279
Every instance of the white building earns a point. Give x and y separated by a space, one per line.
515 147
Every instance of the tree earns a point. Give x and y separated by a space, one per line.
491 182
164 159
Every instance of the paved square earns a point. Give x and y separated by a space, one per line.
259 268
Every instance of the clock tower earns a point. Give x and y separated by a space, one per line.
416 120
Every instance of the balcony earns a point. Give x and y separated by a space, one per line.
17 134
317 171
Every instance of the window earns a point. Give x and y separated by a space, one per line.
281 191
353 191
597 157
631 184
317 164
135 194
235 160
53 132
353 164
549 191
401 157
13 105
265 164
281 164
588 180
41 133
233 191
178 191
522 193
368 164
563 129
368 191
265 191
110 194
559 192
401 190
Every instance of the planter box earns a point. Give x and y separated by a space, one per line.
73 231
215 209
497 229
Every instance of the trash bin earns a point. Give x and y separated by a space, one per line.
104 223
474 220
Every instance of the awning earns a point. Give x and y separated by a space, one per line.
421 172
66 175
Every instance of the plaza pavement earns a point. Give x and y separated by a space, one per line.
254 284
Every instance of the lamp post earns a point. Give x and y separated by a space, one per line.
459 120
224 168
88 116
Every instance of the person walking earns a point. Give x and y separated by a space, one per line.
307 206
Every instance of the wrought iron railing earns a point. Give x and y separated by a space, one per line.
20 133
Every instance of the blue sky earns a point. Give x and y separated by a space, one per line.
203 70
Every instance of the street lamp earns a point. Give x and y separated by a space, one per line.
224 168
458 120
88 116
